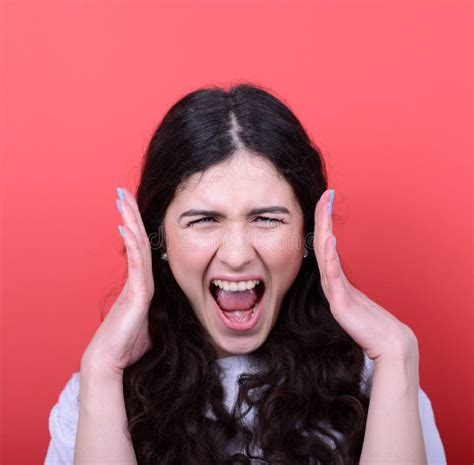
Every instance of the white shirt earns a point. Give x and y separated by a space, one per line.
65 413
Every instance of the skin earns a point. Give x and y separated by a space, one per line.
237 244
393 431
374 328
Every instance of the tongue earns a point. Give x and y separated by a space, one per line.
236 300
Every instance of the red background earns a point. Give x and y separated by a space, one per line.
383 87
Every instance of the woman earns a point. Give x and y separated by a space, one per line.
224 279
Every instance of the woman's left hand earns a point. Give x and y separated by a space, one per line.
375 329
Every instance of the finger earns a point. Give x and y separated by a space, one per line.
136 279
138 217
126 210
336 281
128 216
141 234
321 230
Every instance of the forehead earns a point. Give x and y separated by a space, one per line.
244 179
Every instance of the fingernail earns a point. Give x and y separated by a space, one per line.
119 207
331 200
121 231
120 193
334 241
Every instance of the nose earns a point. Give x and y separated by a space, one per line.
236 249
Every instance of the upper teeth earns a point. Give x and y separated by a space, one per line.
235 286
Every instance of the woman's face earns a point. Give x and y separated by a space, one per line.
231 243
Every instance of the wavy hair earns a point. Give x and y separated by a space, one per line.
312 384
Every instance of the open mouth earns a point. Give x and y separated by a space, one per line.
245 304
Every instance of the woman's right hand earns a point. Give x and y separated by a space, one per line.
122 338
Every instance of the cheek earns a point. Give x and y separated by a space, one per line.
188 267
187 263
280 246
284 258
191 250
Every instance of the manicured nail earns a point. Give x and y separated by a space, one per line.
120 193
121 231
331 200
334 241
119 207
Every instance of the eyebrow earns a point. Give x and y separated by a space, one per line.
255 211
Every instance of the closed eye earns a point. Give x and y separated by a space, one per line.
264 218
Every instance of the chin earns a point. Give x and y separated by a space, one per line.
235 347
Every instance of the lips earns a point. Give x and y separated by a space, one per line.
259 290
237 324
249 277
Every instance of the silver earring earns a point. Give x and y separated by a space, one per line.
164 256
305 253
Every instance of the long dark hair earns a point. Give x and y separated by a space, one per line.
311 386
